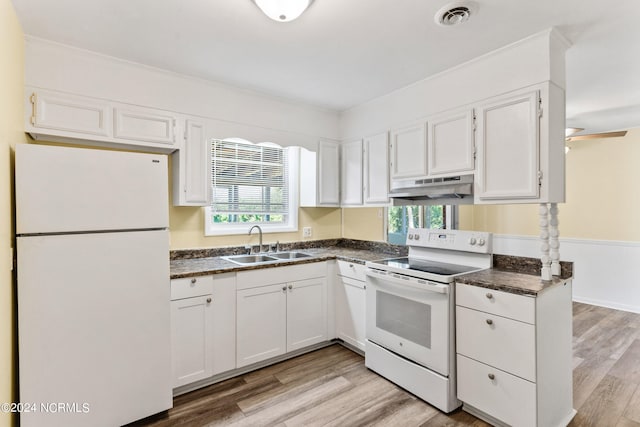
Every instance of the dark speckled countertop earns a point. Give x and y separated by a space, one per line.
512 274
184 264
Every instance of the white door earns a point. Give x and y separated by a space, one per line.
376 168
94 326
262 323
409 152
351 163
411 320
450 143
306 313
508 148
351 312
62 189
191 339
328 173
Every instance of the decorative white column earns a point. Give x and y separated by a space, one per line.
554 243
544 238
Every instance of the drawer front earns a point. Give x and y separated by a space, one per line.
352 270
191 287
497 341
270 276
513 306
508 398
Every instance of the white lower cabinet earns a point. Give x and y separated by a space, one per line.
280 310
350 300
202 327
514 355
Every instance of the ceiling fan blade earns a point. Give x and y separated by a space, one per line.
597 135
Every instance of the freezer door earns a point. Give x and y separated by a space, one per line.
61 189
94 327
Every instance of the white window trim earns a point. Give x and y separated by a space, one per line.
213 229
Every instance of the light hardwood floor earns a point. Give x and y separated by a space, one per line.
332 387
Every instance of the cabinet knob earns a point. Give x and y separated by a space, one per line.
290 287
350 265
489 295
491 377
489 322
284 289
209 300
193 280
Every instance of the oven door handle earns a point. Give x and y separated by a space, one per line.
399 279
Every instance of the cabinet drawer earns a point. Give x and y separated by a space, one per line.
270 276
506 397
191 287
497 341
518 307
352 270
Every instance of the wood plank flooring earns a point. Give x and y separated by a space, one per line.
332 387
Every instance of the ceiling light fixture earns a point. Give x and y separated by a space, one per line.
283 10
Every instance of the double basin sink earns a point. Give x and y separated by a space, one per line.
265 258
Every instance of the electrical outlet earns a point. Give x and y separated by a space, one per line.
306 231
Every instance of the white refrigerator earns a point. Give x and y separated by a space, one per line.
93 286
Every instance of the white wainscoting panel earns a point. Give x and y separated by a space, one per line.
605 272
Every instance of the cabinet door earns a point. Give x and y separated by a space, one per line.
191 339
143 124
409 152
306 313
224 323
351 174
376 168
508 148
69 113
261 324
350 312
450 143
191 165
328 174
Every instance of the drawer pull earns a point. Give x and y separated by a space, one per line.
489 295
209 300
193 280
492 377
350 265
489 322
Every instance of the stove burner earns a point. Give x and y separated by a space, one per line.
439 268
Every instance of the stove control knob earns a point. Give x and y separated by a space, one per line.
480 242
472 241
416 236
410 236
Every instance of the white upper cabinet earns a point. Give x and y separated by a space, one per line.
191 165
409 152
520 142
508 147
144 124
351 181
450 143
59 112
62 117
376 169
320 176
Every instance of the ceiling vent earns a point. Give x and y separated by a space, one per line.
455 13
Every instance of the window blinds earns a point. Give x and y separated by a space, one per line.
249 179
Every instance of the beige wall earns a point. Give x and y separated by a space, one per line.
363 224
603 199
11 132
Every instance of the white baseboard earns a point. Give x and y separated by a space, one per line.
605 272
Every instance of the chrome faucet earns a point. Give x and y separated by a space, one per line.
260 230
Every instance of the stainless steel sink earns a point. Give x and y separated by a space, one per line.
250 259
290 255
264 258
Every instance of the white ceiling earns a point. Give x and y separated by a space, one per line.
341 53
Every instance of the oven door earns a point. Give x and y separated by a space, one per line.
410 317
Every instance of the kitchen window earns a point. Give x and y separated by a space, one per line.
401 218
252 184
